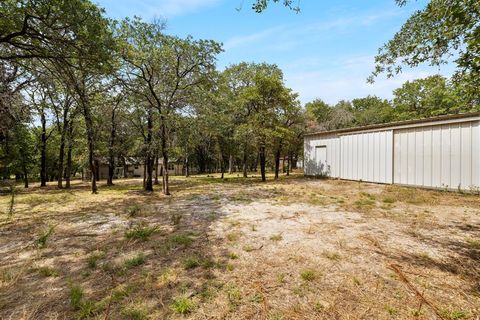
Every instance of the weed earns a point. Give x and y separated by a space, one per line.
141 232
233 237
389 200
454 314
92 259
41 242
331 255
76 296
234 297
134 210
391 310
356 281
182 305
233 256
474 243
230 267
135 261
276 237
175 218
193 262
134 312
248 248
47 272
308 275
181 240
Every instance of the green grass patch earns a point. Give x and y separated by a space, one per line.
140 232
182 305
308 275
276 237
134 261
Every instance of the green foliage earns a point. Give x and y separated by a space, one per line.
432 35
42 240
182 305
308 275
140 232
134 261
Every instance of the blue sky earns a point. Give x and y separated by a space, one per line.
326 51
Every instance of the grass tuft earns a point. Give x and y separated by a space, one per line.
140 232
135 261
182 305
42 240
308 275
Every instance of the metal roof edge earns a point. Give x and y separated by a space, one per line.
397 124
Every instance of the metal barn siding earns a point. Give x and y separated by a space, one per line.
367 156
441 156
331 165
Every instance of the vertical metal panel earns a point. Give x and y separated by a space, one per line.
367 156
443 156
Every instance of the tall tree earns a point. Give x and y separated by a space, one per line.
435 34
167 70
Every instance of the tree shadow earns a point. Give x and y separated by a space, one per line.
179 258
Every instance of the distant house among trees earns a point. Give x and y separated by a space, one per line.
132 167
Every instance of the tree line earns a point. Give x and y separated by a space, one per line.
76 86
422 98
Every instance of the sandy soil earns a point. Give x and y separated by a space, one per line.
239 249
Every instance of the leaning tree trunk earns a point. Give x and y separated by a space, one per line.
262 161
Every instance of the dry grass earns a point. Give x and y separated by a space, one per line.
240 249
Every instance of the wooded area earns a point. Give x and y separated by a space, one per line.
78 88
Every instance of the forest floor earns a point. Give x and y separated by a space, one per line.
240 249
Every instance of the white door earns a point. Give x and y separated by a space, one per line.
321 160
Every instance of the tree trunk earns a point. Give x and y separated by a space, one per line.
156 170
165 188
25 176
187 173
262 161
68 168
288 164
245 157
149 158
111 151
91 142
277 160
163 136
43 151
230 164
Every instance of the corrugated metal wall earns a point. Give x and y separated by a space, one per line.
367 156
311 165
442 156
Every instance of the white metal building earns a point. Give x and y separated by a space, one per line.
441 152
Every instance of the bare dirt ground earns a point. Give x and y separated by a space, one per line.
239 249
